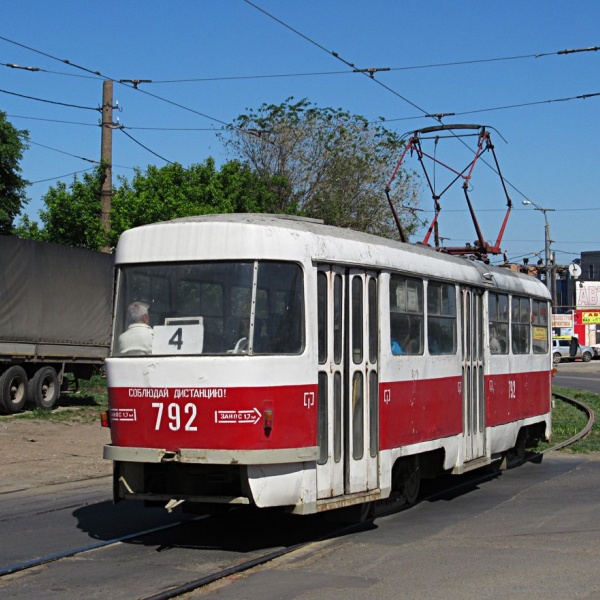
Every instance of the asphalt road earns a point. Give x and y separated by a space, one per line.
533 532
530 532
579 375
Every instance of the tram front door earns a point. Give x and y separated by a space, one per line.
348 382
473 375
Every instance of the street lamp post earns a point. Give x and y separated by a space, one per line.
550 280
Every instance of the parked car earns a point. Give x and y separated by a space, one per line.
570 349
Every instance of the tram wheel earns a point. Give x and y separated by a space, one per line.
516 455
406 480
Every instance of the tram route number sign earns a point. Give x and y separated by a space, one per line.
250 417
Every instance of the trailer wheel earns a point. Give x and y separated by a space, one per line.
43 388
13 390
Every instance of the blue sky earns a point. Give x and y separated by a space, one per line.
210 60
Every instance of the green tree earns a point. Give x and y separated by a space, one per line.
13 143
326 163
173 191
72 214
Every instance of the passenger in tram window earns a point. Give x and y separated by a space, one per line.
495 346
396 348
137 339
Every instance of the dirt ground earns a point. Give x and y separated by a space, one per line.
36 453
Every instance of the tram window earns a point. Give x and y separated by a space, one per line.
406 315
337 417
283 331
357 320
520 325
441 318
199 298
373 413
240 300
221 293
323 423
338 308
498 323
373 322
322 315
539 326
358 437
151 289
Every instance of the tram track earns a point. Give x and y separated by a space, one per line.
583 408
385 509
11 569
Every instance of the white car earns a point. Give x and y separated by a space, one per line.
561 350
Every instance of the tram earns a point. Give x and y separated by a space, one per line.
298 365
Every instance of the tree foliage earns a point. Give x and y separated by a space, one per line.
293 158
13 143
326 163
72 213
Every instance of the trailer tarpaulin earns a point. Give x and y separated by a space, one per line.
54 294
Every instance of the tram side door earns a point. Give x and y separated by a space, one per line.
473 375
348 382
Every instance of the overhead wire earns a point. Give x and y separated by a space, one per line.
127 83
98 74
368 74
49 101
144 147
61 176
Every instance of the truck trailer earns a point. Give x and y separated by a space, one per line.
55 319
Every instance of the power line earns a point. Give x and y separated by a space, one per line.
63 152
64 61
53 120
61 176
336 56
122 82
506 107
437 65
367 73
36 69
144 147
48 101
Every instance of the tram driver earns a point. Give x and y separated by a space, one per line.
137 339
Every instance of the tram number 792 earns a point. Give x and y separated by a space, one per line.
173 418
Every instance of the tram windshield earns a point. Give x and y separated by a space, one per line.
224 308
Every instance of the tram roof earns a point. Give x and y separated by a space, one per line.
286 237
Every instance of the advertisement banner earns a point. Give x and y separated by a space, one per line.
562 320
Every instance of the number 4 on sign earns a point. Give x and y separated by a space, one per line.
177 338
169 338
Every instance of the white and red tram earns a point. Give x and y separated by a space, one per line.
299 365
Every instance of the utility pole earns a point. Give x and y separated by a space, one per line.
106 156
550 262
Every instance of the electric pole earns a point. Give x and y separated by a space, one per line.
106 156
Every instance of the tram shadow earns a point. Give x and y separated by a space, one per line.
448 487
242 530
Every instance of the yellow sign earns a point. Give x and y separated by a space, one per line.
540 334
590 317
